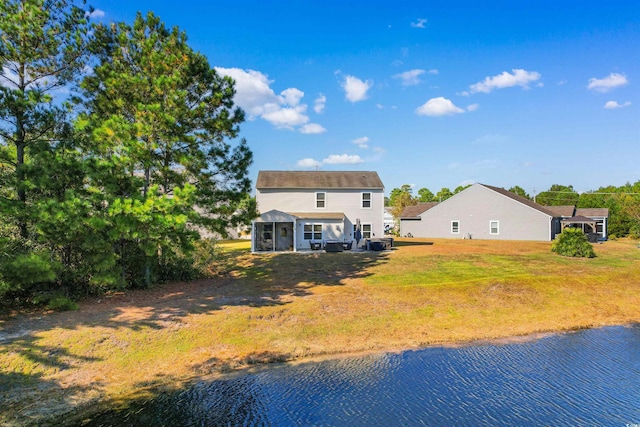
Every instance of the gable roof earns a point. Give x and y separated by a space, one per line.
564 211
319 179
523 200
415 210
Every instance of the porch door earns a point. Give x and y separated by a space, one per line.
284 236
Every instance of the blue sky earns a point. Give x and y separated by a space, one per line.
428 93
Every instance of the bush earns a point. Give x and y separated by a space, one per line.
62 303
55 301
573 242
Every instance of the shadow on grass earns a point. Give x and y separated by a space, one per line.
22 392
400 243
248 280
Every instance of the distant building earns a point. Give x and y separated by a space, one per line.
485 212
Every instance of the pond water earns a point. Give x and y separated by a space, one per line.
583 378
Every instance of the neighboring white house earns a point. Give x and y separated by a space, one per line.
481 212
300 207
389 221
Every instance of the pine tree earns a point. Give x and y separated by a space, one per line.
158 118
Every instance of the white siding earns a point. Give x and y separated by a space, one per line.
475 208
348 202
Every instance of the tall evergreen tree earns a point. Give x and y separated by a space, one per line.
159 119
43 48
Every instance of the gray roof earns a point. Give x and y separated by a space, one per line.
563 211
366 180
523 200
593 212
416 210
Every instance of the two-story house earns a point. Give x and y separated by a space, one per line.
300 207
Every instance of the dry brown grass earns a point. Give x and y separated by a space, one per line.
284 307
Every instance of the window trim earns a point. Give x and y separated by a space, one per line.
362 225
457 222
313 232
324 199
497 227
370 200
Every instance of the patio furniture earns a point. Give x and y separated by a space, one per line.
315 246
333 246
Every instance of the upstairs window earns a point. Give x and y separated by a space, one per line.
321 200
366 200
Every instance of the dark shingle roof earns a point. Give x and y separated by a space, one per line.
563 211
522 200
593 212
415 210
319 180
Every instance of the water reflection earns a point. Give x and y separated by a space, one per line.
589 377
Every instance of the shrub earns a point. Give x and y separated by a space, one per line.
62 303
573 242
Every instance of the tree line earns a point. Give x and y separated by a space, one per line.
118 143
623 202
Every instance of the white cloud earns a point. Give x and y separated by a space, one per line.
319 103
612 81
252 90
519 77
333 159
292 96
308 163
97 14
342 159
420 23
312 128
255 96
356 89
612 105
361 142
434 71
436 107
473 107
410 78
286 117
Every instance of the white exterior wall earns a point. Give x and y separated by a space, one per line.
474 208
348 202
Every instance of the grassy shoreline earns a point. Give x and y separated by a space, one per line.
297 307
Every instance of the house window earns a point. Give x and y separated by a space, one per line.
313 232
366 200
365 229
455 227
321 199
494 227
